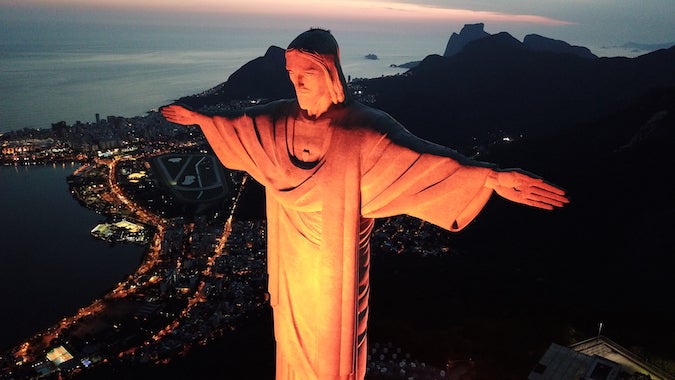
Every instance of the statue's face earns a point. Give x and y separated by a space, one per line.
310 81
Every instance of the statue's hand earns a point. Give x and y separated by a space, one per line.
517 186
179 115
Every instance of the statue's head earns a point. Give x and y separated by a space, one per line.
317 50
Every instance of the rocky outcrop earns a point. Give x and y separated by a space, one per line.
470 32
473 32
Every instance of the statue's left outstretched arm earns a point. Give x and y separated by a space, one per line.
521 187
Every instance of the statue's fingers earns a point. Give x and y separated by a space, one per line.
550 193
549 199
549 187
538 204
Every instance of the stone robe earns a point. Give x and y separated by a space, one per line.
320 216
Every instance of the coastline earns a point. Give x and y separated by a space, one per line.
51 264
124 297
139 298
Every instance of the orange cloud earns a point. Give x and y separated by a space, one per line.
326 9
392 10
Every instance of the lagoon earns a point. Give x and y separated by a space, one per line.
50 264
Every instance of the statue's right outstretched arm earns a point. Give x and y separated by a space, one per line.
180 115
231 137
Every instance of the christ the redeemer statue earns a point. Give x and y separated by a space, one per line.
330 166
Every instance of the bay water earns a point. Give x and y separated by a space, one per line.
50 265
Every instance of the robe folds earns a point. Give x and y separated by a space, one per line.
320 216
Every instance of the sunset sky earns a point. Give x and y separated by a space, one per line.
608 22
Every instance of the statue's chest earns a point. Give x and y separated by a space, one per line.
307 140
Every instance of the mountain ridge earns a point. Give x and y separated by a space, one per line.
519 84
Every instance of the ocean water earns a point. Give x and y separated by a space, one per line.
50 264
53 71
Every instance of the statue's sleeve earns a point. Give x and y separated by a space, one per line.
224 134
444 189
242 142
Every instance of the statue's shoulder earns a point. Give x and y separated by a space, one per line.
358 116
273 109
371 122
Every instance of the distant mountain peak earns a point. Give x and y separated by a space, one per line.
261 78
540 43
470 32
535 42
492 46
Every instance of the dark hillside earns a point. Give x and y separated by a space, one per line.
496 86
262 78
523 278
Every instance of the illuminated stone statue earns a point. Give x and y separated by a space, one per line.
330 166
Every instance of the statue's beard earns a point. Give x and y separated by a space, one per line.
313 104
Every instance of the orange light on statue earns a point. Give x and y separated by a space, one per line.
331 166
